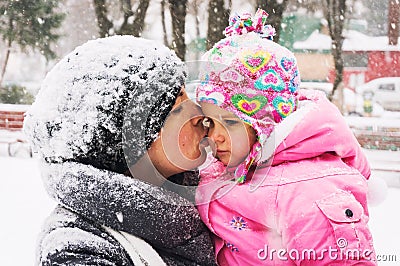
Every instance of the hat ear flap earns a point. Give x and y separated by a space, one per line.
242 170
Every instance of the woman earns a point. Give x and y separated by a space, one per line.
101 117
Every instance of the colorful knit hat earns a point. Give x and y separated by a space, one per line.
251 76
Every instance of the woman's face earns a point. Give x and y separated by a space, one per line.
181 136
232 137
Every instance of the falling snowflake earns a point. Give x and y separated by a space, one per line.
238 223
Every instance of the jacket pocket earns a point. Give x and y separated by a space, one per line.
349 224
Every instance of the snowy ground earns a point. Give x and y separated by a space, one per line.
24 205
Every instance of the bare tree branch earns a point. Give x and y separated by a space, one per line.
275 11
164 27
138 22
133 22
218 20
178 16
394 21
336 10
126 9
101 14
3 71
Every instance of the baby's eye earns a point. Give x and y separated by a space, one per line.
231 122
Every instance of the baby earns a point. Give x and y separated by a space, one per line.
288 185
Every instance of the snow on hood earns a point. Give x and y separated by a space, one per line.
79 113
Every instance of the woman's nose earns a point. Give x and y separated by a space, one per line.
197 120
198 126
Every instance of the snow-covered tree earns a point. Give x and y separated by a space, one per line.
29 24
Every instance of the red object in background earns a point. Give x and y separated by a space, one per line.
383 64
380 64
11 120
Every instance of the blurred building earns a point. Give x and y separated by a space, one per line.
365 58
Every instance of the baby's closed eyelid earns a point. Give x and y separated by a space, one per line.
231 122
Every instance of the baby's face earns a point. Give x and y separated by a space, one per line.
232 137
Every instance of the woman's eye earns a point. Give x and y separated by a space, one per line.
177 110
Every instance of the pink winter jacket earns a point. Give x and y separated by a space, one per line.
307 206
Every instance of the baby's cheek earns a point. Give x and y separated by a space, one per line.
239 142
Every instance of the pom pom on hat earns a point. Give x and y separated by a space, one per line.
241 24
